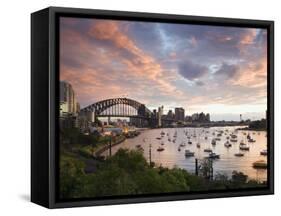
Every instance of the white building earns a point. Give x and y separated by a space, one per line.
159 117
68 103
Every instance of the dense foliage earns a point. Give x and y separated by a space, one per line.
127 172
258 125
74 136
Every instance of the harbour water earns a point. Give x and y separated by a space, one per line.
228 162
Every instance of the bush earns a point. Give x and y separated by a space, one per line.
127 173
71 177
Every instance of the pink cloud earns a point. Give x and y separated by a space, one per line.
104 62
249 37
252 75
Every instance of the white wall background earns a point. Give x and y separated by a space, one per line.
15 106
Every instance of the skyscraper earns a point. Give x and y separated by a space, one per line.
208 118
170 114
160 113
179 114
67 98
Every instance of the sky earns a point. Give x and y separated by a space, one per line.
211 69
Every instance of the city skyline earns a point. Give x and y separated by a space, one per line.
216 70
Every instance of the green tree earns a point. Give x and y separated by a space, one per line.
71 177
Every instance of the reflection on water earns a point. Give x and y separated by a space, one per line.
228 162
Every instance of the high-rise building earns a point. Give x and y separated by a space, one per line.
159 117
208 118
77 107
179 114
67 98
63 107
170 114
195 117
201 117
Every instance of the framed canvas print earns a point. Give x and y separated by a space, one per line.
139 107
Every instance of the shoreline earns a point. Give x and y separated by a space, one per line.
252 129
98 152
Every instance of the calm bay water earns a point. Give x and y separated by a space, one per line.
228 162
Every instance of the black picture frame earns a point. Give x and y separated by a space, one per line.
45 103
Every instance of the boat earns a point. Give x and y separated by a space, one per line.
227 144
162 143
160 149
213 142
233 136
188 153
239 154
251 140
233 140
263 152
218 139
182 144
139 147
261 164
244 148
208 150
213 155
189 142
242 143
159 138
198 145
162 133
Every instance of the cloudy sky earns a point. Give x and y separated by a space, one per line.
220 70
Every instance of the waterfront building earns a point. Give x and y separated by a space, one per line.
63 108
159 116
77 107
179 114
69 120
170 114
67 98
195 117
208 117
69 108
200 117
188 119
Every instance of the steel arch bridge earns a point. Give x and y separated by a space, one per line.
118 107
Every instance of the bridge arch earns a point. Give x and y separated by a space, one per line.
99 107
